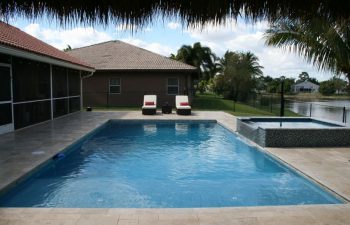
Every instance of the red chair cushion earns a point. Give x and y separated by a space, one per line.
184 104
149 103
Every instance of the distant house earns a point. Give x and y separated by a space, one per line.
37 81
124 73
305 86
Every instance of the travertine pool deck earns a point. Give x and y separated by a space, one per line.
23 150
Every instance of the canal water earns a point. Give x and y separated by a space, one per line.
330 110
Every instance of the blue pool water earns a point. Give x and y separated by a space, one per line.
164 164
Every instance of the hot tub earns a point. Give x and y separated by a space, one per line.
293 132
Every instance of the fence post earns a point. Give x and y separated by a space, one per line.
344 114
282 98
107 100
271 99
254 101
310 109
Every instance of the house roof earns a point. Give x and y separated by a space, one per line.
306 83
118 55
15 38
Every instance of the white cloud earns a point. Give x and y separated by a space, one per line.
76 37
233 36
154 46
33 29
173 25
241 36
79 37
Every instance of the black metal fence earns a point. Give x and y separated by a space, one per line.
338 111
266 102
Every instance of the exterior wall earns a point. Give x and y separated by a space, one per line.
134 85
306 87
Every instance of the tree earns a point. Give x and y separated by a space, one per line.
327 87
339 84
273 85
332 86
172 56
200 57
304 76
240 71
68 48
324 43
314 80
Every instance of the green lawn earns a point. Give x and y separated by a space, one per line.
216 103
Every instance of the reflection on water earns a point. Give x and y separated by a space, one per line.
330 110
150 128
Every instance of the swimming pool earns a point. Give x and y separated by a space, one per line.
135 164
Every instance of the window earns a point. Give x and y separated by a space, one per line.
173 86
114 86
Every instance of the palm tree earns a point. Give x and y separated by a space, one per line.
323 43
248 60
240 71
200 57
67 49
252 63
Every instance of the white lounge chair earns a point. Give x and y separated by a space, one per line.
149 105
182 105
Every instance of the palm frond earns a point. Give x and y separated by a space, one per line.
321 42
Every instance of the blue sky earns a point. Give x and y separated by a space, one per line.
167 36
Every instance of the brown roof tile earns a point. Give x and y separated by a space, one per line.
118 55
13 37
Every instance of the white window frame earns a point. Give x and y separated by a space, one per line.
178 85
120 86
10 126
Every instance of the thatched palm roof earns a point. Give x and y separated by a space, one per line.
190 12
